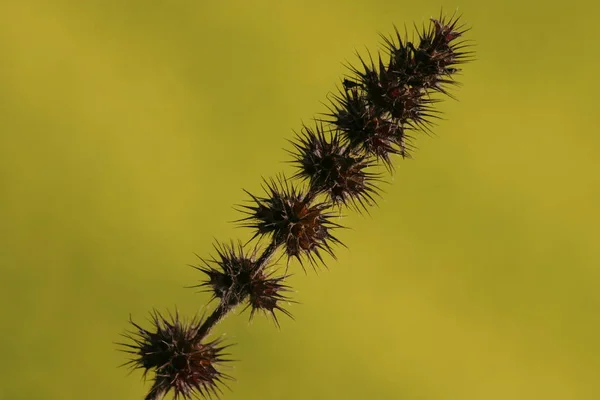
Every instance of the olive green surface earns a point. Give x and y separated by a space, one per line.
129 128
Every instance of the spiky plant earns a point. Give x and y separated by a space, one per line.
375 116
178 354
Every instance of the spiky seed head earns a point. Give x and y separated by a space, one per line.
388 94
331 167
365 130
179 357
267 294
293 219
237 275
433 62
229 273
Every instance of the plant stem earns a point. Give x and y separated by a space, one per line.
266 255
219 313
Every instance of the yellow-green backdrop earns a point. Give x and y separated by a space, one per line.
129 128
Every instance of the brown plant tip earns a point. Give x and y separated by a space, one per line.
365 128
179 357
236 276
433 62
292 219
332 168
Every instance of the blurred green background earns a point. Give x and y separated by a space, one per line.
129 128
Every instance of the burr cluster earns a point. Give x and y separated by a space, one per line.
373 119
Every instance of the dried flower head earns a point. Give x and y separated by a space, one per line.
177 354
331 167
266 296
365 129
235 276
292 219
390 95
432 63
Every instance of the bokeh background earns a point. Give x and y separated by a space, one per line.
129 128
